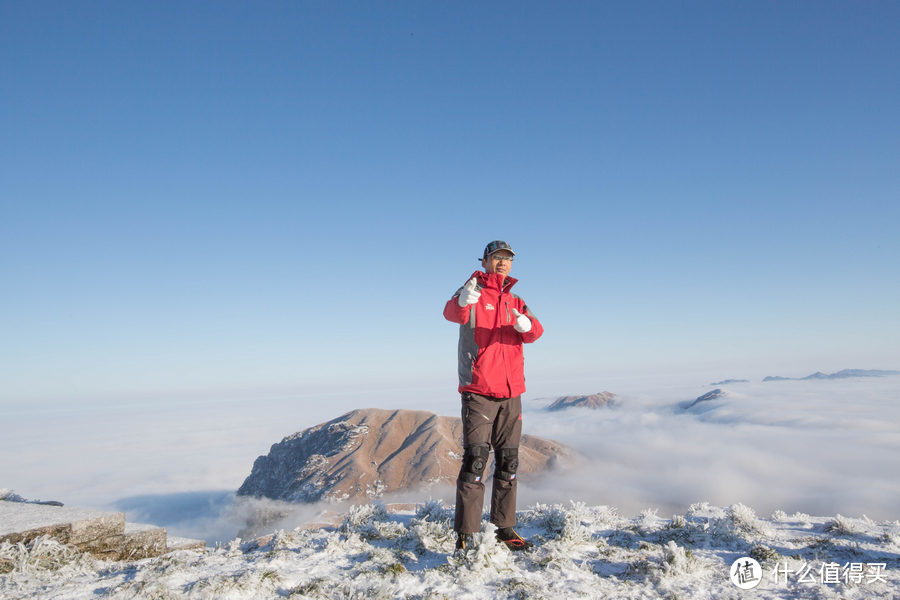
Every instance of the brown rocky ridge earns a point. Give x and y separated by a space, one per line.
601 400
365 454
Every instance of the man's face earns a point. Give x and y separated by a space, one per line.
498 262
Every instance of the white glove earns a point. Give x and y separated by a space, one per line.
470 294
523 323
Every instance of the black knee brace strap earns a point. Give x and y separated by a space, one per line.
507 463
474 461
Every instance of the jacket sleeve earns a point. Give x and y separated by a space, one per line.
537 330
455 313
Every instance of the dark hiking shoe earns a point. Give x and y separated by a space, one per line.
463 541
513 540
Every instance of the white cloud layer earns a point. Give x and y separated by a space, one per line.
820 447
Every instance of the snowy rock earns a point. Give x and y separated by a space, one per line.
10 496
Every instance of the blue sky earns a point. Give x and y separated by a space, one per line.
263 198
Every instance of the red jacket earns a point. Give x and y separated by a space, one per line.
491 361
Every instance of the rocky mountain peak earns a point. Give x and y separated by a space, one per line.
595 401
367 453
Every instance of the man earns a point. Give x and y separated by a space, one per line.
493 325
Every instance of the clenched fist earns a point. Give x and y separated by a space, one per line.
523 323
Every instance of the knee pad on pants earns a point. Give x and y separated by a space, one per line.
507 463
474 461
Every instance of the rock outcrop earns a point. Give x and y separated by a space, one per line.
595 401
715 394
367 453
104 534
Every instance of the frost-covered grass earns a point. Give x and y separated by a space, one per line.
582 552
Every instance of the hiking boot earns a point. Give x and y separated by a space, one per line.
463 541
513 540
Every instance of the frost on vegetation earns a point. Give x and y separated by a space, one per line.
667 563
40 554
677 522
430 536
367 520
572 524
549 517
488 554
841 525
745 522
434 510
649 521
677 560
582 552
764 555
779 516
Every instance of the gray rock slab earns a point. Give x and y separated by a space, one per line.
142 541
21 522
103 534
179 543
137 542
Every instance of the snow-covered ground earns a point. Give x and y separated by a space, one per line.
583 552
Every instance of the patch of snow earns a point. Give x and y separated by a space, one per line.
582 552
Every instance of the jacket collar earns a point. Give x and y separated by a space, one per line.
492 280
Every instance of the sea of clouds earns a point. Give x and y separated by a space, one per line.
819 447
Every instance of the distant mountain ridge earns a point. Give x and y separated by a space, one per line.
845 374
365 454
594 401
707 397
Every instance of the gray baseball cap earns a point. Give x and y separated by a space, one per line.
495 246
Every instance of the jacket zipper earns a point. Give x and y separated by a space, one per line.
505 362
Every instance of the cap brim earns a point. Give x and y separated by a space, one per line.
510 250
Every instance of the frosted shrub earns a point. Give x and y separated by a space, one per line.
594 516
431 536
487 554
680 531
744 521
559 524
369 522
841 525
676 560
364 514
649 521
434 510
678 522
703 509
764 555
40 554
549 517
381 557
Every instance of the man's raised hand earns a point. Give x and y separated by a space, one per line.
523 323
470 294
